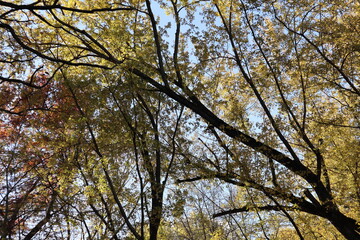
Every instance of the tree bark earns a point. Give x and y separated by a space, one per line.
156 214
348 227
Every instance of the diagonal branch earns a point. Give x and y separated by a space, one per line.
253 208
197 107
302 204
44 56
62 8
43 221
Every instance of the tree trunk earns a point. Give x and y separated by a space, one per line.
345 225
156 213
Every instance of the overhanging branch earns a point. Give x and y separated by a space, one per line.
253 208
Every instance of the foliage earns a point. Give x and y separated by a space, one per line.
180 119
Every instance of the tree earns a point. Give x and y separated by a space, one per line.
124 161
271 93
29 192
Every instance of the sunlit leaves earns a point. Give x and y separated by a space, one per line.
270 91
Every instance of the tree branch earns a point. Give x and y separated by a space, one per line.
253 208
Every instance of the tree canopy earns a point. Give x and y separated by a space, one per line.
179 119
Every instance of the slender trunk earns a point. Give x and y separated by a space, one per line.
156 211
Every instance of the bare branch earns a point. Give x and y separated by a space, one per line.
253 208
